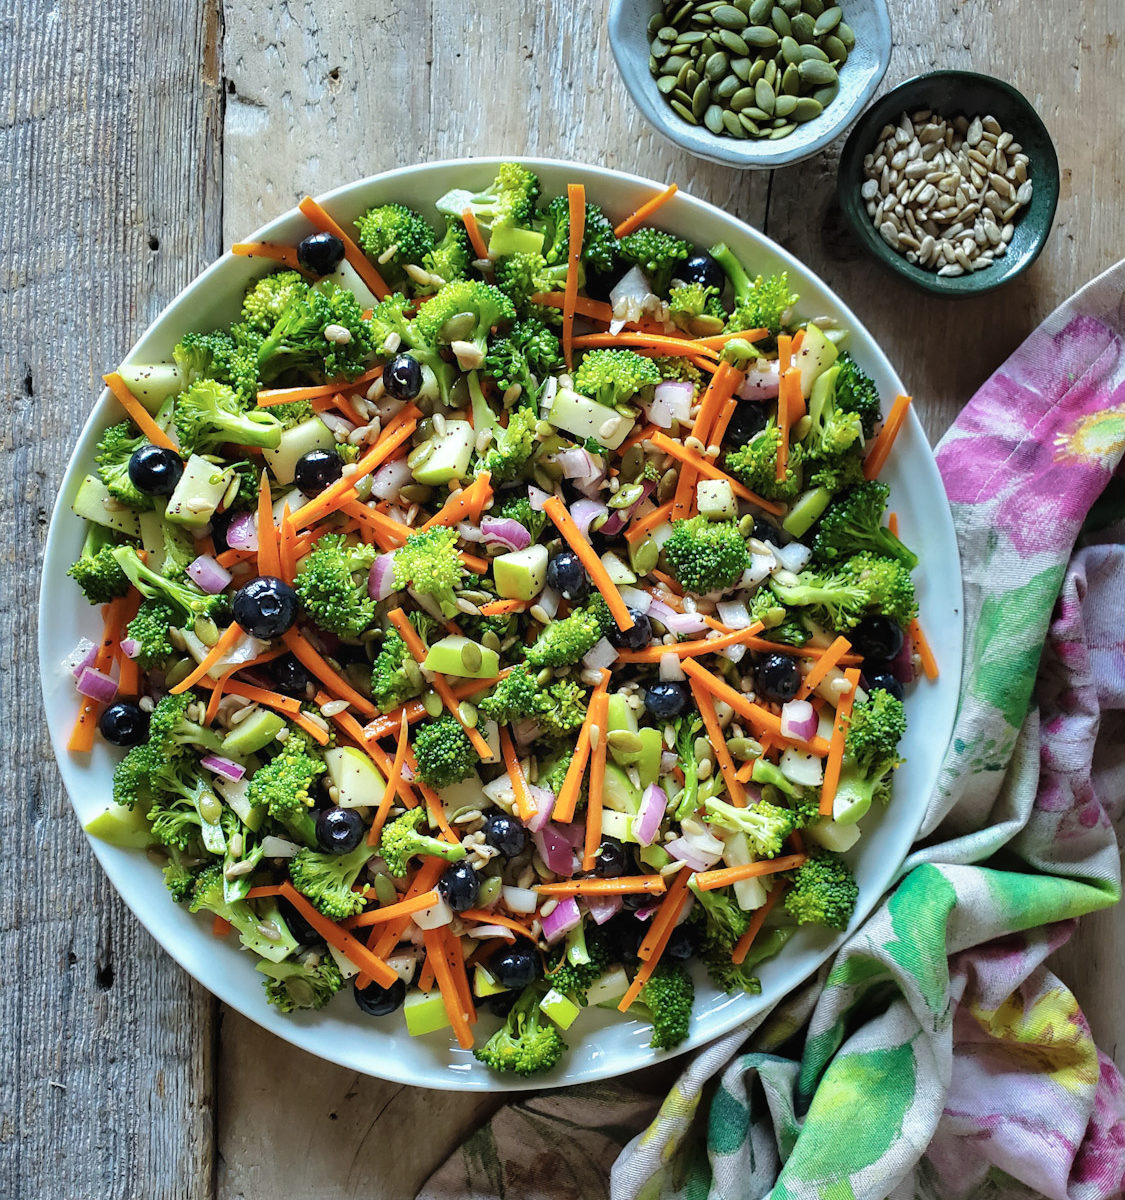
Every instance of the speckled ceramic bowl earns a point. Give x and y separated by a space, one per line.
859 77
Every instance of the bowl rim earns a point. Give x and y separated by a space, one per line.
848 182
207 964
681 134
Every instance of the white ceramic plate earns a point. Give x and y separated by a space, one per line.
602 1044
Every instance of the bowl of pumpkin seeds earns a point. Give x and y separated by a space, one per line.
751 83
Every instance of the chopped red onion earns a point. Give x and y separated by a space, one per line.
671 401
82 655
390 478
630 298
469 532
537 497
636 599
585 512
554 850
506 531
734 614
600 655
242 532
381 577
224 767
549 601
544 801
798 720
676 622
387 406
578 463
525 732
685 852
480 932
643 914
574 832
130 647
902 665
620 517
434 917
794 557
669 761
762 380
671 668
564 917
758 571
97 685
603 908
735 653
654 804
520 900
208 575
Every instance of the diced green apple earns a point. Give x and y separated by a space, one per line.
561 1009
455 655
312 434
354 774
715 499
257 731
521 574
484 983
449 458
199 492
815 356
424 1013
94 503
586 418
120 826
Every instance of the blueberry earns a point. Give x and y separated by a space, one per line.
155 470
877 637
320 253
599 284
702 268
506 834
636 638
265 607
402 377
883 681
124 724
613 858
290 675
499 1003
777 677
625 933
748 421
515 968
567 575
459 887
666 700
339 830
682 944
378 1001
316 470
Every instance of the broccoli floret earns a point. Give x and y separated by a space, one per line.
487 305
449 259
696 309
171 730
223 358
658 255
309 983
761 303
179 879
114 451
173 819
512 446
614 377
518 508
839 600
332 585
207 895
871 755
283 787
429 563
886 584
528 1043
600 247
395 676
724 922
188 601
514 698
856 393
732 977
823 891
687 729
706 556
765 825
854 523
836 474
553 772
573 978
681 368
444 753
511 197
395 235
755 463
150 628
401 840
833 432
267 298
564 642
520 276
526 355
297 340
209 415
327 879
96 571
667 997
561 709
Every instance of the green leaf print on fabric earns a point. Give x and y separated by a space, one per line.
919 910
728 1123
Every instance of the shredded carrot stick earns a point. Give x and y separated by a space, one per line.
344 487
113 625
572 784
351 948
455 956
880 450
670 585
480 247
225 678
227 639
374 524
286 255
643 526
925 652
708 881
402 908
761 718
395 774
653 654
786 418
794 399
564 522
661 343
525 806
721 387
715 735
664 922
620 885
704 466
576 202
784 353
359 261
269 562
476 564
270 396
426 976
640 433
384 940
263 891
837 742
137 411
436 954
719 340
308 655
497 608
599 705
458 507
387 723
798 340
825 663
768 647
641 214
719 429
483 917
229 557
892 523
742 946
220 927
286 545
596 310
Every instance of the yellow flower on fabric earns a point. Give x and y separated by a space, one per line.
1095 438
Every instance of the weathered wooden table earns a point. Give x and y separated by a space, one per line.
138 140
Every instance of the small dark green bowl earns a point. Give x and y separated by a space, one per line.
951 94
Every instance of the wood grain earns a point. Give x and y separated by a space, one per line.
111 205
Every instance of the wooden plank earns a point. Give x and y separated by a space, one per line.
111 206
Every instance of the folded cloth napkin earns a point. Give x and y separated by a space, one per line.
935 1056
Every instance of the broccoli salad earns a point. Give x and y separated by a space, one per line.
500 618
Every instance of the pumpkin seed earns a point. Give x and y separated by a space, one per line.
836 50
741 99
741 68
810 52
625 741
645 556
782 131
791 81
660 49
717 66
791 7
784 105
690 79
749 124
803 27
627 495
732 42
654 24
727 87
756 72
805 109
813 71
693 38
825 95
471 657
813 7
669 33
742 5
732 126
673 64
702 20
667 485
713 118
653 66
764 96
709 6
666 84
682 96
682 12
760 11
770 75
779 19
700 98
790 50
828 20
730 17
754 113
685 112
847 35
682 48
432 703
761 37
